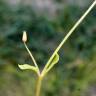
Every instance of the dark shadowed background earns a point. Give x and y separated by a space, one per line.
46 23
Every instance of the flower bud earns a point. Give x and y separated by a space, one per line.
24 37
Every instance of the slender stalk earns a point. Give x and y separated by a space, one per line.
69 34
38 87
32 57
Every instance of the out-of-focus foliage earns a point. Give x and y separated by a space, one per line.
74 75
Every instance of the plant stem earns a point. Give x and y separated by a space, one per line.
38 87
32 57
69 34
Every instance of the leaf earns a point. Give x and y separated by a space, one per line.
53 62
55 59
26 66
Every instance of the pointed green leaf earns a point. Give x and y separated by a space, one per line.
55 59
26 66
53 62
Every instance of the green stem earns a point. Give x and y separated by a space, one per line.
69 34
38 87
32 57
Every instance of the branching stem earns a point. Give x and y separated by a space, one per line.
48 66
60 45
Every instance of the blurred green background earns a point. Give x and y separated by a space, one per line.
46 23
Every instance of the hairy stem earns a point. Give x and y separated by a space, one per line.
38 87
69 34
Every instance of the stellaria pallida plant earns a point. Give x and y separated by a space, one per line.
54 58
